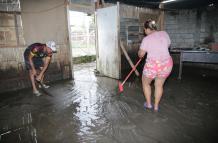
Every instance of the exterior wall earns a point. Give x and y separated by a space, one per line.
42 21
190 28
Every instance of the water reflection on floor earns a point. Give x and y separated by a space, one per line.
88 109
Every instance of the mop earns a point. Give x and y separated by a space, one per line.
120 85
43 89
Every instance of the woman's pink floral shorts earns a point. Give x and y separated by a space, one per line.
158 68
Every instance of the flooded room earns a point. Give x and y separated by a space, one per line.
108 71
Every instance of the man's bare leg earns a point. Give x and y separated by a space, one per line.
32 78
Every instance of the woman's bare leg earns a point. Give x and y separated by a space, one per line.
147 90
159 82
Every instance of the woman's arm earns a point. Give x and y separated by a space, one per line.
141 53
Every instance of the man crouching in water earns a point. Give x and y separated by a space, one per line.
37 57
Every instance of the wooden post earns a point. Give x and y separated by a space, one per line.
127 57
161 6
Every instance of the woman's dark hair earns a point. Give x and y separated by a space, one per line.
151 24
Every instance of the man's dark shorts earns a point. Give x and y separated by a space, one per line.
38 62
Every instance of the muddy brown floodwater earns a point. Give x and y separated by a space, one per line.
89 110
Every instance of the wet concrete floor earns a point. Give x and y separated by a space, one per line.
89 110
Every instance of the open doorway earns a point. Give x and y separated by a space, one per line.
82 31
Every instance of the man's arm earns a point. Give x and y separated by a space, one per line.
46 63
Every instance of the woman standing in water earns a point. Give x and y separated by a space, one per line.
158 64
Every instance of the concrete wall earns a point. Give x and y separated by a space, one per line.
190 28
42 20
47 20
86 6
11 31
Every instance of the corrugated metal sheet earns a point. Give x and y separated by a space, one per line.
129 30
131 24
127 11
